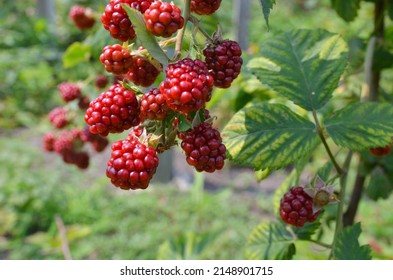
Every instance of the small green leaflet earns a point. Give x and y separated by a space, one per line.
264 135
348 247
267 5
75 54
302 65
346 9
144 36
380 186
361 126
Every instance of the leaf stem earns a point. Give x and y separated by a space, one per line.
321 244
341 198
181 32
325 144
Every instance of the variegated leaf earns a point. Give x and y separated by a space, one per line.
264 135
362 126
302 65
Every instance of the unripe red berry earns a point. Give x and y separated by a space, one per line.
58 117
116 59
381 151
163 19
82 17
69 91
204 7
153 105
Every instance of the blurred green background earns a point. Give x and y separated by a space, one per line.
193 216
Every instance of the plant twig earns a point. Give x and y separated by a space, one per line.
195 22
181 32
63 238
325 144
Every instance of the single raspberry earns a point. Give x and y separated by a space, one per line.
163 19
80 159
116 20
101 81
116 59
187 86
48 141
58 117
381 151
203 148
225 62
153 105
82 17
113 111
132 164
67 141
98 142
205 7
69 91
142 72
83 102
296 207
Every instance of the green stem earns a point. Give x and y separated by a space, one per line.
181 32
321 244
195 22
325 144
341 198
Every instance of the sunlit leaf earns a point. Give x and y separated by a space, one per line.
75 54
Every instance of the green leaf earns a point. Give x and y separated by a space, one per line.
346 9
144 36
390 9
264 135
262 174
361 126
269 241
75 54
348 247
267 5
379 185
305 232
302 65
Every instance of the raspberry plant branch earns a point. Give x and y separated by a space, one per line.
195 21
181 32
325 144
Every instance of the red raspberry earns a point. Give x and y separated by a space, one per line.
101 81
142 72
116 59
132 164
225 62
83 102
80 159
67 141
203 147
380 151
153 105
113 111
296 207
98 142
205 7
69 91
116 20
163 19
187 86
58 117
82 17
48 140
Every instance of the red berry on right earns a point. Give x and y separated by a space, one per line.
153 105
113 111
116 21
163 19
203 148
187 86
381 151
132 164
296 207
205 7
116 59
224 61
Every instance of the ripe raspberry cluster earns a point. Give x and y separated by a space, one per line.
158 118
67 139
82 17
296 207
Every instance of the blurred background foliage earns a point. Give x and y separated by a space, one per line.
164 222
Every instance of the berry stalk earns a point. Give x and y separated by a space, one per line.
180 34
